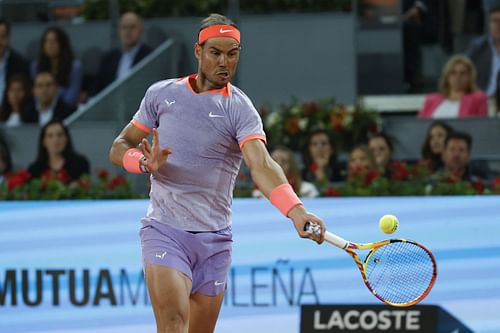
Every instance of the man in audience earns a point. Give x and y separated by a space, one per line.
48 105
117 63
484 52
11 62
456 158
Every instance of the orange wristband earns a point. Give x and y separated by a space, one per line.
284 198
132 160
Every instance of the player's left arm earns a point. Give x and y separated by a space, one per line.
272 182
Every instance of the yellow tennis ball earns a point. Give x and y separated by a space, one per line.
388 224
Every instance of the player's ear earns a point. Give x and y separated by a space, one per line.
197 50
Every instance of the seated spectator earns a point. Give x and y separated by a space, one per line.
361 163
483 51
433 145
18 102
11 62
456 158
56 157
320 160
57 57
285 158
48 104
381 146
117 63
5 162
459 95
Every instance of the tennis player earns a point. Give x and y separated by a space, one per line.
202 127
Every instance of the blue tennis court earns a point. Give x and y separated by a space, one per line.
74 266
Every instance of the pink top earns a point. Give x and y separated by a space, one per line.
471 105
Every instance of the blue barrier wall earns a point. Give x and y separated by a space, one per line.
75 266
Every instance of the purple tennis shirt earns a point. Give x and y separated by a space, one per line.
193 190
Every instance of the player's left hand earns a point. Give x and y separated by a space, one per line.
300 217
155 155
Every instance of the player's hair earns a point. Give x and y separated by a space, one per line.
216 19
494 9
456 135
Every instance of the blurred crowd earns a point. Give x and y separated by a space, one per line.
48 89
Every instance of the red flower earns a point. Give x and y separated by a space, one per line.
478 185
116 181
313 167
331 192
61 176
399 170
18 179
102 173
370 177
311 107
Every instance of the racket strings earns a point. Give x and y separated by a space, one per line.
400 272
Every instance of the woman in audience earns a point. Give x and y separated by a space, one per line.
433 144
361 163
56 56
381 146
459 95
18 102
5 162
320 159
56 157
285 158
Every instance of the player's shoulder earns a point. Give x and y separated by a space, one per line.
239 97
161 85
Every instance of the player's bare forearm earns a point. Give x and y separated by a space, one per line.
265 172
130 137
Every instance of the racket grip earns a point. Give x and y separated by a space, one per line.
329 237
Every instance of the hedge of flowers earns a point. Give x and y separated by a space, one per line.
21 186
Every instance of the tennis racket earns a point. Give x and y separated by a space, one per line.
398 272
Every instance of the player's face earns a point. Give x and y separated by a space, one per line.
54 139
456 155
217 61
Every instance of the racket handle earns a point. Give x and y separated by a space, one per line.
329 237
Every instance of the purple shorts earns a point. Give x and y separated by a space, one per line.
204 257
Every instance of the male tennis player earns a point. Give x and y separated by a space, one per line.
204 126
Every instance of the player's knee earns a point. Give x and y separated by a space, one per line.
173 321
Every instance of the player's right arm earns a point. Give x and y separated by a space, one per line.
124 151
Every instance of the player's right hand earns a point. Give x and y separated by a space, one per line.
155 155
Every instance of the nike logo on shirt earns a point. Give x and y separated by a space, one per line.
211 115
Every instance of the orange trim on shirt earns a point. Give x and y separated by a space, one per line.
225 91
140 126
253 137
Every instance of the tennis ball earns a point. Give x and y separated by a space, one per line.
388 224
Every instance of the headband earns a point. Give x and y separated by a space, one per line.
220 30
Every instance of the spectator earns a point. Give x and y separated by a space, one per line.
11 62
48 104
458 95
117 63
456 158
361 163
381 146
433 145
5 162
320 160
285 158
18 102
56 157
56 56
496 101
484 52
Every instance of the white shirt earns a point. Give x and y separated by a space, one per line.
14 120
447 109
